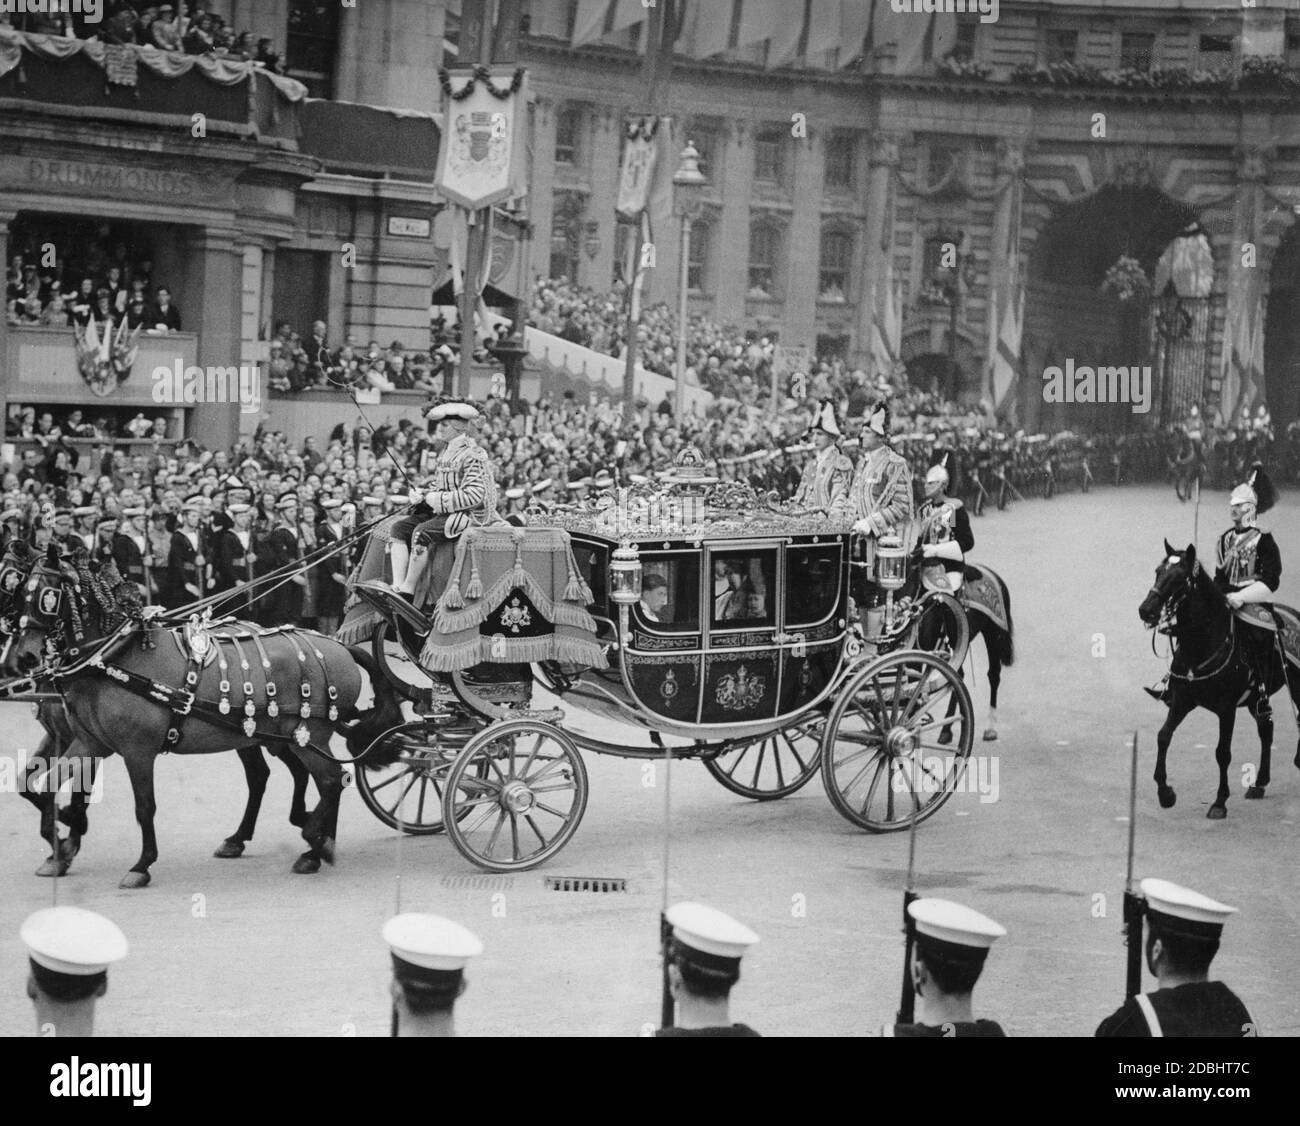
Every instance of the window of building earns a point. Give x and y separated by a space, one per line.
1215 51
768 162
697 261
706 144
836 261
1137 50
311 45
566 235
965 46
1062 45
567 129
764 249
841 155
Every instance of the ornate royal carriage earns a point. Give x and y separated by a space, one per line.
683 617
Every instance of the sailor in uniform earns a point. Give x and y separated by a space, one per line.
233 555
952 944
429 957
1183 932
185 560
704 954
825 480
943 531
62 533
334 570
85 521
105 533
132 552
459 493
879 502
69 950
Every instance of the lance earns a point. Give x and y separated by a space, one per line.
907 1001
1134 904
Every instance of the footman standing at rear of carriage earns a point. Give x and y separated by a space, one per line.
1184 928
879 501
825 480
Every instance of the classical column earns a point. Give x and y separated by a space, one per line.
1008 170
541 204
882 161
803 243
348 60
732 243
216 286
606 126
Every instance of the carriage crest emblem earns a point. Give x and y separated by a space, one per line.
515 616
668 689
10 580
50 599
739 690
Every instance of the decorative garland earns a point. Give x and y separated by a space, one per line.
484 75
642 128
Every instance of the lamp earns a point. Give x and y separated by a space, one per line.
592 242
625 575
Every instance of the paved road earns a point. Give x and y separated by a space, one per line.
244 948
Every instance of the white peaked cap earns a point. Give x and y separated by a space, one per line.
431 941
709 931
72 940
947 921
1167 898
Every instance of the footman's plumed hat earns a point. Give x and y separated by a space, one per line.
461 411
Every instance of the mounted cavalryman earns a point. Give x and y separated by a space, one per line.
943 530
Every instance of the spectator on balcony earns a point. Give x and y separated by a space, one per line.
103 311
165 31
117 290
83 304
139 288
55 314
242 48
268 57
119 28
165 317
198 40
317 349
137 314
278 366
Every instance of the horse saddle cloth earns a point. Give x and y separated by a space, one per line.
1253 614
981 591
1288 623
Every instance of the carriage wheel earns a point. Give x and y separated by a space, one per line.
405 677
941 627
774 766
882 761
518 791
407 794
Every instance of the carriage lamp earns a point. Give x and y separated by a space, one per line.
625 575
891 563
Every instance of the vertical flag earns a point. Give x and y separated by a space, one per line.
707 29
759 20
1229 372
1006 361
589 24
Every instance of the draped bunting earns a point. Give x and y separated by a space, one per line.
167 64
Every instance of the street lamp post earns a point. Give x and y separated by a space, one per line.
688 189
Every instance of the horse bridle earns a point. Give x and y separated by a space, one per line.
1169 612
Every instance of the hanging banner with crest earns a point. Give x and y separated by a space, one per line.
638 171
482 137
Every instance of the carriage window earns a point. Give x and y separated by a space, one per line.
592 563
670 593
813 586
743 589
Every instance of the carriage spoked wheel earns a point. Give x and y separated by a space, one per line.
407 794
774 766
515 795
883 756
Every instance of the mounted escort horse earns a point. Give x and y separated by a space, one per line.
140 688
1212 665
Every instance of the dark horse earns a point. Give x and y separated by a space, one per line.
138 688
1184 603
58 757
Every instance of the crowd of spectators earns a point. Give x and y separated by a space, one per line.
187 28
99 277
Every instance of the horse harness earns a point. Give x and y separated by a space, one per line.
199 646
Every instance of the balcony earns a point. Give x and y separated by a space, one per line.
41 367
39 77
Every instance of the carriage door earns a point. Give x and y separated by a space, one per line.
812 620
741 663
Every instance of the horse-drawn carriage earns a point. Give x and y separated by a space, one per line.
695 619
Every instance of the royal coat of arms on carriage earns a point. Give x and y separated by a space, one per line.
515 616
739 690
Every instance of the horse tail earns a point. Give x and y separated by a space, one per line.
1006 638
386 712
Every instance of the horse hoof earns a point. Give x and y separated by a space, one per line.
327 850
1167 797
134 880
68 849
298 820
1254 793
306 865
990 735
1216 813
229 849
52 867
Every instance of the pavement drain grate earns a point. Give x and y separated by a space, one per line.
584 883
478 883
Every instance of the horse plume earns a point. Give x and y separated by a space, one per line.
1265 490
